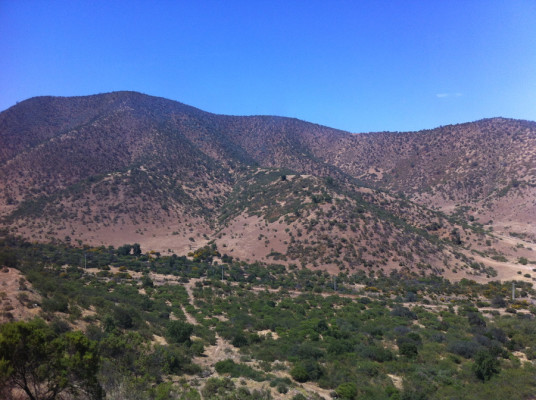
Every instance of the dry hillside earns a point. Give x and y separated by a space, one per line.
126 167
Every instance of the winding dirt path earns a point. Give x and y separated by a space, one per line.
222 350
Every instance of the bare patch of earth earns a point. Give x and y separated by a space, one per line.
18 300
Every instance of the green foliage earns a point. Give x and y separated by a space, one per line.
299 373
8 258
236 370
455 237
179 331
408 349
136 249
147 282
124 317
464 348
307 370
239 340
205 254
215 386
124 250
327 338
58 303
347 391
225 389
408 345
498 302
45 365
485 365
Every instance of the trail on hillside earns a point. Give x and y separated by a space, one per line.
222 350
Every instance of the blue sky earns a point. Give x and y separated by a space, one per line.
354 65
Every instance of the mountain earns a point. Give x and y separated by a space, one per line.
125 167
488 165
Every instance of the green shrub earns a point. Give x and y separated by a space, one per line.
485 365
179 331
408 349
40 362
216 386
463 348
347 391
236 370
58 303
239 340
282 388
299 373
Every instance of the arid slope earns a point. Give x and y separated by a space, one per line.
126 167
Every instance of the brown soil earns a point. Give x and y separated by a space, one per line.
18 300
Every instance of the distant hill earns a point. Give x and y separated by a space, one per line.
125 167
488 165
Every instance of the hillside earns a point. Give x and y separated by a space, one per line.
122 324
125 167
488 167
151 250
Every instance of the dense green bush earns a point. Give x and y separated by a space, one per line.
347 391
299 373
179 331
485 365
236 370
464 348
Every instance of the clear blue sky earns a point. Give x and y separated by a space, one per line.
355 65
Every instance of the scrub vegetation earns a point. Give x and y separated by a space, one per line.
118 323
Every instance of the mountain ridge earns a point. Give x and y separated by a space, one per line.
127 167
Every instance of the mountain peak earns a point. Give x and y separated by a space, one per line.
127 167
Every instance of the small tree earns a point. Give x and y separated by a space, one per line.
136 249
240 340
124 250
347 391
44 365
498 302
179 332
485 365
408 349
299 373
455 236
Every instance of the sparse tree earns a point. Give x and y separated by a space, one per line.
45 365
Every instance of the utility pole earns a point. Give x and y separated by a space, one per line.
513 291
222 272
334 283
85 261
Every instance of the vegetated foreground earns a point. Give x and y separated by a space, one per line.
117 323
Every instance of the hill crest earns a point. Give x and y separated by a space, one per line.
127 167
